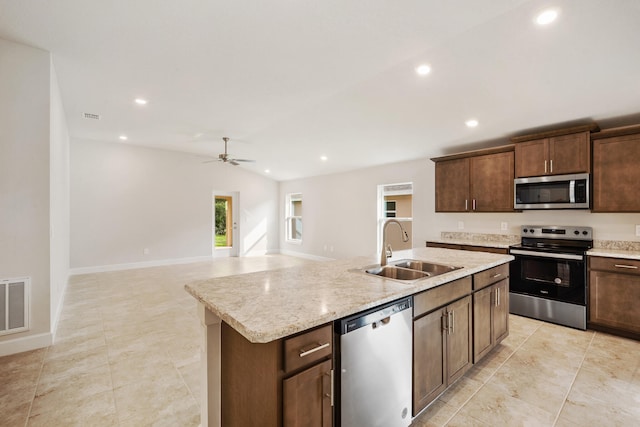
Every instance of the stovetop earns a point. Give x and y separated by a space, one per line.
553 238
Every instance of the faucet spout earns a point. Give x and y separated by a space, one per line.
386 249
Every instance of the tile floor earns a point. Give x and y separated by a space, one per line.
126 354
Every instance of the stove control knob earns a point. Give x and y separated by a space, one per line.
576 232
585 232
524 230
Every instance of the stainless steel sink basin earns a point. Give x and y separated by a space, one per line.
409 270
392 272
427 267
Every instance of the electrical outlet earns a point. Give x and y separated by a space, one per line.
504 226
460 225
638 230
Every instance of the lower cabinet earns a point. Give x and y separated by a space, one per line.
490 318
307 397
442 340
614 293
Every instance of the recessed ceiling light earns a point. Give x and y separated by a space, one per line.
123 137
423 69
267 171
324 158
471 123
141 101
546 17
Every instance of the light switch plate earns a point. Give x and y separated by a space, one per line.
460 225
638 230
504 226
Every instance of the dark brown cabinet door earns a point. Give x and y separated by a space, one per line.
531 158
613 300
500 315
569 154
459 339
452 186
307 397
482 324
616 174
491 182
428 359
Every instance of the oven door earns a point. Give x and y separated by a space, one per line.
556 276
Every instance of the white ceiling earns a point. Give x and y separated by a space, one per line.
289 81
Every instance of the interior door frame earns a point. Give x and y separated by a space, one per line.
234 249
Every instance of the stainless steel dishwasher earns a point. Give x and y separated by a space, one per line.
375 367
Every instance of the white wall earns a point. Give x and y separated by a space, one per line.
59 200
24 183
340 210
126 198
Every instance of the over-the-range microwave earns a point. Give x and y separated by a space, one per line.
552 192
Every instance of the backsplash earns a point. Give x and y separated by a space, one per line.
617 244
507 239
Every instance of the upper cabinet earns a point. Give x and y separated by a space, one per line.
559 152
616 170
480 181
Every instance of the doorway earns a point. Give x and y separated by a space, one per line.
225 224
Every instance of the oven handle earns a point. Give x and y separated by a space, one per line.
546 254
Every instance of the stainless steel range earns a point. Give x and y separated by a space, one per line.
549 274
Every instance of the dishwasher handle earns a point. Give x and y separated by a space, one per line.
376 317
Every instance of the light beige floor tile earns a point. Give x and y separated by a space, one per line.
493 406
94 410
465 420
77 363
435 415
77 344
56 393
192 377
13 416
458 393
149 367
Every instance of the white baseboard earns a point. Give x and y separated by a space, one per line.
305 256
19 345
134 265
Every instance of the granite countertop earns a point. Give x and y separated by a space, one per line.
614 253
269 305
467 242
501 241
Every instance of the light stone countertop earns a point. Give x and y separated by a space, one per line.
614 253
501 241
269 305
498 245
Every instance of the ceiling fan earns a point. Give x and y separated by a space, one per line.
224 157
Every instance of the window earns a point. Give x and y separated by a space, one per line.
294 218
390 209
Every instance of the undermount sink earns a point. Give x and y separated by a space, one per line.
410 270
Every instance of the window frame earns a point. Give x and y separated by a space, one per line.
290 218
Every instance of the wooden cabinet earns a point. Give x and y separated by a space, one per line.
616 170
286 382
490 309
559 152
614 295
442 340
475 248
476 183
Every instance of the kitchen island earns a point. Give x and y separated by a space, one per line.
266 307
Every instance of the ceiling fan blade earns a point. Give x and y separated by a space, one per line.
233 162
211 161
243 160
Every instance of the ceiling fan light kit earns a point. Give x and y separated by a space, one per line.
224 157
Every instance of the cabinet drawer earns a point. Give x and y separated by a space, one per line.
492 275
442 295
615 265
309 347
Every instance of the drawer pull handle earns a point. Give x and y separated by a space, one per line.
633 267
496 275
313 350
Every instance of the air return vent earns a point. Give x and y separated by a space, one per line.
14 305
91 116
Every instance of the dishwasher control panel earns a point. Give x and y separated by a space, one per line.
374 316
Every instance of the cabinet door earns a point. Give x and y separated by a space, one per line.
491 182
500 307
531 158
459 339
307 397
482 324
613 300
569 153
616 174
428 359
452 186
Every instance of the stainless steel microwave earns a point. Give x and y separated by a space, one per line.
552 192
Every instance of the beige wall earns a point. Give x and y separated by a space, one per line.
403 205
24 183
126 198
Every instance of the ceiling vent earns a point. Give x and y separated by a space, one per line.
91 116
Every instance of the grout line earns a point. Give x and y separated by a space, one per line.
566 396
35 388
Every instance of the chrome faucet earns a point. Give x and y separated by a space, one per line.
386 249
